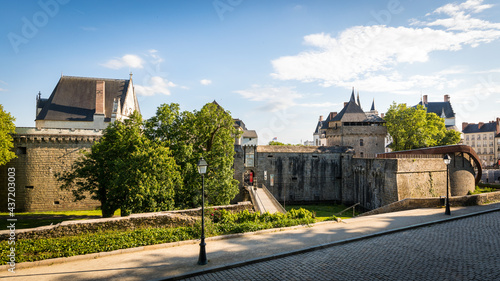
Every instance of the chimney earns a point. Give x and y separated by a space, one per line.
498 125
464 125
321 118
424 101
480 124
446 98
332 115
100 97
382 115
345 104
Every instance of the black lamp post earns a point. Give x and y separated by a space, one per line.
447 161
202 169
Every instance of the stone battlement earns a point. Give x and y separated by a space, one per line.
25 134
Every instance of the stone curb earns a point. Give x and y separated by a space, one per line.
61 260
319 247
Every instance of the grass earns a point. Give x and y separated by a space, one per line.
484 189
218 222
36 219
324 211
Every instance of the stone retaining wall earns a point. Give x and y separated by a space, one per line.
415 203
154 220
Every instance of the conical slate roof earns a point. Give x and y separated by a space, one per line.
352 112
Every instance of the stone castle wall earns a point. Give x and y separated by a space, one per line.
293 174
370 182
39 157
373 139
420 178
300 174
307 174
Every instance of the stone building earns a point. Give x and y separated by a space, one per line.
41 153
86 103
363 131
244 159
70 120
311 174
484 138
442 109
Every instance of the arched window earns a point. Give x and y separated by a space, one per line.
360 142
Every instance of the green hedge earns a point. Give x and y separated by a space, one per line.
217 222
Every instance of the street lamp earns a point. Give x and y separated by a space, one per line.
202 169
447 161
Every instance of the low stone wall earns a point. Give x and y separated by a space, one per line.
415 203
154 220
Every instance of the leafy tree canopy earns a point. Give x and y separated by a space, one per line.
207 133
7 127
414 127
125 170
151 166
283 144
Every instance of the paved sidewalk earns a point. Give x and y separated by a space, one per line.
166 261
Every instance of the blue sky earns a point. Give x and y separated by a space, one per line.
277 65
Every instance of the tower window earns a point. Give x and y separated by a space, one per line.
21 150
361 142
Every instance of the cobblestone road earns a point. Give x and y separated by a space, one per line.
464 249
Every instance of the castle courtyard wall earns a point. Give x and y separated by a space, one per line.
40 156
301 174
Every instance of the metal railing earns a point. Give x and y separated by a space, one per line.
277 204
353 209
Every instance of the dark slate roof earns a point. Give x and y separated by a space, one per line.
486 127
239 123
319 126
438 107
73 99
373 117
352 112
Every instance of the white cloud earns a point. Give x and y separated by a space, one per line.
472 6
360 50
361 53
320 105
2 89
496 70
156 59
396 83
156 85
275 98
205 82
131 61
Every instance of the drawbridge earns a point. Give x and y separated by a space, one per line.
263 201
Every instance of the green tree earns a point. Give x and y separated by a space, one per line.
125 170
276 143
414 127
283 144
7 127
208 132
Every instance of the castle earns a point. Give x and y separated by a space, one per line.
343 170
363 131
70 120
